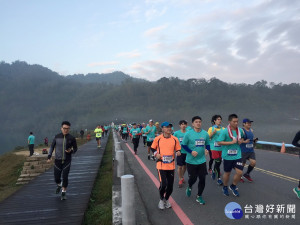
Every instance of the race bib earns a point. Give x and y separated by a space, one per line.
199 142
216 144
249 145
167 159
232 152
134 132
180 139
151 139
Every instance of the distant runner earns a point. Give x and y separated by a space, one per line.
150 131
98 131
144 135
215 148
248 148
31 140
181 159
65 145
134 134
164 147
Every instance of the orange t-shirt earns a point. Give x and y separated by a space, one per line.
166 147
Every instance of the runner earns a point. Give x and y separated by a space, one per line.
164 147
65 145
98 131
158 129
181 159
134 134
248 149
195 142
215 149
295 142
125 131
150 131
144 135
230 139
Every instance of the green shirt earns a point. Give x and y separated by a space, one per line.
31 139
98 132
151 135
180 137
230 152
134 132
196 141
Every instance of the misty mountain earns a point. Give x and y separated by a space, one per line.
116 77
34 98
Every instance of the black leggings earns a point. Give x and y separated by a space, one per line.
135 142
194 172
145 140
166 178
211 160
64 169
124 136
217 167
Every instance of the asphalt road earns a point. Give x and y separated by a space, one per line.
275 177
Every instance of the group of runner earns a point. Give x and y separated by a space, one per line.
189 146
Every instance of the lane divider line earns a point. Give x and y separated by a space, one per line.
291 179
176 208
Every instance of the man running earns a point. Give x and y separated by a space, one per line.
98 131
158 129
125 131
195 142
65 145
164 147
150 131
215 148
248 149
295 142
144 135
230 139
134 134
181 159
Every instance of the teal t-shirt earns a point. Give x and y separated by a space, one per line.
180 137
134 132
196 141
143 132
125 130
151 135
213 141
31 139
230 152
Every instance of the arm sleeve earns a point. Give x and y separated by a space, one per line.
52 148
185 147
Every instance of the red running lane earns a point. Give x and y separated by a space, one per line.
176 208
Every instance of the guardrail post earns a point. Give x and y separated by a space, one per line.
128 207
120 162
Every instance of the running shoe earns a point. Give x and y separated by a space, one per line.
161 204
183 181
148 157
219 182
63 195
153 158
242 180
225 191
98 146
247 176
58 188
167 204
297 191
200 200
188 191
213 175
234 190
180 183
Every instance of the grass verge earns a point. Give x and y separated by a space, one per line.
99 210
11 166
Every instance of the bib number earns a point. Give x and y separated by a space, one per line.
199 142
180 139
232 152
216 144
151 139
249 145
167 159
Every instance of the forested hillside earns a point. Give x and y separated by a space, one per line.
34 98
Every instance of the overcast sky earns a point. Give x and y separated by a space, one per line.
236 41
